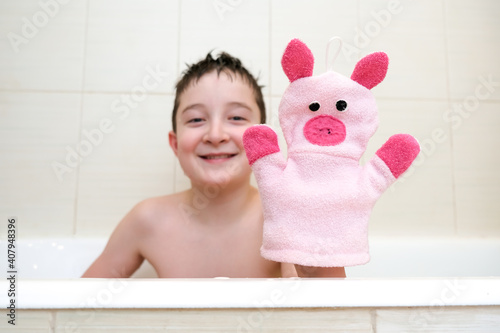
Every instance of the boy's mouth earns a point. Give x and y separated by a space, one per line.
217 156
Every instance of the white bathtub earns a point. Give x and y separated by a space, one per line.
63 258
410 285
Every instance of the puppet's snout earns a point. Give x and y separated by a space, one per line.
324 130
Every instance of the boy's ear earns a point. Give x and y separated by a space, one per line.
172 139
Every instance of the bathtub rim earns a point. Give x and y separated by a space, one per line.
252 293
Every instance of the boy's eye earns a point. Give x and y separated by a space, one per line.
195 120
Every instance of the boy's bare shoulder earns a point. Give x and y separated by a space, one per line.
157 210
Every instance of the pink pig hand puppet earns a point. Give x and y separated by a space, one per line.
317 203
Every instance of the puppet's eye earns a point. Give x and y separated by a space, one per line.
314 106
341 105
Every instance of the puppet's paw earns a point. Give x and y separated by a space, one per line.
399 152
260 141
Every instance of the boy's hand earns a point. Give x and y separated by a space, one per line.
312 272
260 141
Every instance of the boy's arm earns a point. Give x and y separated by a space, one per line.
288 270
121 256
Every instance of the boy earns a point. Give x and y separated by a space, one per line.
214 228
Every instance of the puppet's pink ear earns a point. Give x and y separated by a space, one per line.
371 70
297 61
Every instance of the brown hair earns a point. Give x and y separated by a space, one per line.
224 62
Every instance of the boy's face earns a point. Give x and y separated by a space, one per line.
212 116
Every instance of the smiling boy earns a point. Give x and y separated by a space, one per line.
215 227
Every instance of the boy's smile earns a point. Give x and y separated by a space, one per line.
213 114
217 158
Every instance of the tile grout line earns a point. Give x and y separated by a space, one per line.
449 101
373 320
52 321
80 125
269 62
358 22
118 92
81 91
178 66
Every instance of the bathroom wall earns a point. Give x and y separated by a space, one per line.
327 320
86 92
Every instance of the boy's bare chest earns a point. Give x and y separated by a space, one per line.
194 251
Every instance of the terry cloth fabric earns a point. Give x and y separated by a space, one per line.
317 203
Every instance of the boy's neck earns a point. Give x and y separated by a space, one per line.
217 203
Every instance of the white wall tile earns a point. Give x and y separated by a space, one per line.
35 131
314 22
239 28
33 321
412 35
440 52
421 201
217 320
440 318
51 54
477 180
473 38
125 38
130 163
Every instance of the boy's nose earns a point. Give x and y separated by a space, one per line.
216 134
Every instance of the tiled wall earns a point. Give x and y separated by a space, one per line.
77 71
274 320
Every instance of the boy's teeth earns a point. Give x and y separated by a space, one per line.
212 157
